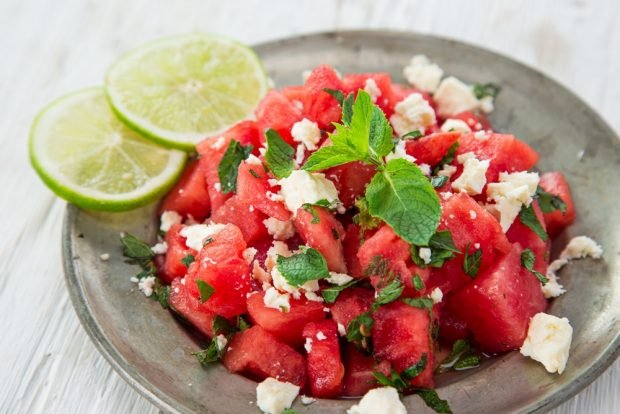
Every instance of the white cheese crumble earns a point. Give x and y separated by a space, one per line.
425 254
249 254
196 234
472 214
300 153
370 86
400 151
313 297
280 230
445 195
217 187
160 248
447 170
423 74
437 295
473 178
253 160
425 168
457 125
276 300
280 283
221 342
305 400
379 400
453 97
338 278
513 191
302 187
486 104
146 285
548 341
412 113
308 345
219 143
306 132
481 135
104 257
273 396
341 330
168 218
320 336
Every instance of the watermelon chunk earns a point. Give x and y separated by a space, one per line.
351 180
190 196
350 245
211 151
555 183
190 308
355 81
252 188
319 106
286 326
258 354
277 112
520 233
247 218
359 378
452 326
431 148
351 303
325 368
498 304
177 251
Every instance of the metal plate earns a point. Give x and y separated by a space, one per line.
151 350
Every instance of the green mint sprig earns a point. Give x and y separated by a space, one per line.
228 168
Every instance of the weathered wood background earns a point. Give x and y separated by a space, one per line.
48 48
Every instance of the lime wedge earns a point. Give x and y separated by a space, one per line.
179 90
88 157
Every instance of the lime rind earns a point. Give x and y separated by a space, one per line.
179 90
59 156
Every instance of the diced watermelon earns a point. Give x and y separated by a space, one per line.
211 151
555 183
320 106
190 195
431 148
190 308
177 251
247 218
400 92
402 335
325 235
286 326
350 245
475 122
470 226
520 233
276 111
252 188
325 368
452 327
351 303
359 378
296 94
351 180
499 303
258 354
505 152
355 81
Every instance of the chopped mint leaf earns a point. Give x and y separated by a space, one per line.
402 381
221 326
527 215
228 168
415 369
420 303
242 324
359 329
347 109
289 411
468 362
379 266
338 95
439 181
432 400
310 208
442 248
528 258
205 289
161 293
363 218
415 134
254 173
335 233
418 283
459 348
331 156
137 251
279 155
487 89
188 260
211 354
330 294
471 262
549 202
448 158
302 267
403 197
389 293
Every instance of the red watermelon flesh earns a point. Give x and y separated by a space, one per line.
253 188
359 378
190 196
320 106
190 308
351 180
520 233
325 368
431 148
556 184
277 112
248 218
351 303
177 251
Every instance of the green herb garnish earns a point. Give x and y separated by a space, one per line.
279 155
549 202
389 293
432 400
228 168
527 215
482 90
331 293
205 289
528 258
471 262
188 260
302 267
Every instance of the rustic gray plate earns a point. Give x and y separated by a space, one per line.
151 350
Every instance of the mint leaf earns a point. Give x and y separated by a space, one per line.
380 134
310 208
205 289
338 95
415 134
442 249
289 411
188 260
420 303
432 400
331 156
439 181
331 293
415 369
468 362
137 251
389 293
482 90
279 155
347 109
228 168
462 357
402 381
363 218
448 158
222 326
302 267
471 262
418 283
360 329
403 197
528 258
549 202
212 354
527 215
161 293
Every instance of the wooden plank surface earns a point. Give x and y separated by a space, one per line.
49 48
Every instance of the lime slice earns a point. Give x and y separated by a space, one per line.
90 158
179 90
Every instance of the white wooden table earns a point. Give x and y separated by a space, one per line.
48 48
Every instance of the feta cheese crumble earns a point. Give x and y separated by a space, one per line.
217 187
379 400
276 300
457 125
253 160
447 170
373 90
146 285
425 254
548 341
513 191
280 230
412 113
273 396
302 187
221 342
339 278
308 345
104 257
453 97
196 234
306 132
423 74
473 178
305 400
249 254
437 295
400 151
160 248
168 218
341 330
320 336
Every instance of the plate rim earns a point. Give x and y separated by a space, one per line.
163 402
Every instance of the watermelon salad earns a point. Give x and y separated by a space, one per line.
361 236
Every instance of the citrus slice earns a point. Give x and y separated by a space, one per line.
179 90
87 156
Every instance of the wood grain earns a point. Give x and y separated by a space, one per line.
49 48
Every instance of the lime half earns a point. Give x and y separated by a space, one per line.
90 158
179 90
